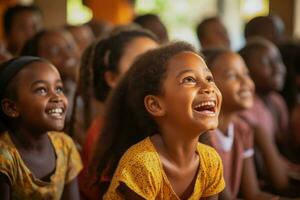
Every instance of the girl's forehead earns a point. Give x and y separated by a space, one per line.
36 69
186 59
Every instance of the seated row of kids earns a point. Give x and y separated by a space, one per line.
150 113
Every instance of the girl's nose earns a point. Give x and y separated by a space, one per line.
55 97
208 89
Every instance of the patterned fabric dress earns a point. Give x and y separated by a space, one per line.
141 170
23 183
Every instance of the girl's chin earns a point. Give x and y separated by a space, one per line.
211 125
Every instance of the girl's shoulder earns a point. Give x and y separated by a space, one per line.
211 170
6 143
60 138
10 161
141 152
140 170
208 155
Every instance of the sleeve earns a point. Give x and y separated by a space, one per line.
74 164
215 181
140 173
7 164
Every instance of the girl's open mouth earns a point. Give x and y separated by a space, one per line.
206 107
56 112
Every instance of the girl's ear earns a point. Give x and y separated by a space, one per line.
154 105
9 108
111 79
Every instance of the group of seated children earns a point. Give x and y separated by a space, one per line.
130 115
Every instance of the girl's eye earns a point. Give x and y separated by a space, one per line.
59 90
41 91
231 75
189 80
210 79
247 74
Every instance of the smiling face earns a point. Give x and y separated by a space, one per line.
40 103
233 80
267 69
133 49
215 35
191 99
56 48
24 25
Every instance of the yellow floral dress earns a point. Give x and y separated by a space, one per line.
23 183
141 170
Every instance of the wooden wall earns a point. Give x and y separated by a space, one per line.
285 9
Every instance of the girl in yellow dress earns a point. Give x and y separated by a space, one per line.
149 144
36 161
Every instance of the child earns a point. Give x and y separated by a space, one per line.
149 143
59 47
83 36
234 138
269 113
21 23
108 59
212 33
270 27
153 23
290 52
36 161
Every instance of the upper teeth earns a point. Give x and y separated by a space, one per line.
55 110
206 103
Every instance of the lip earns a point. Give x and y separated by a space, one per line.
245 93
56 111
209 107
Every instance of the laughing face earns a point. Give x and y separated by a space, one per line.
267 69
191 99
41 103
233 79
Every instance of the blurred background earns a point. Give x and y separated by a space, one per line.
179 16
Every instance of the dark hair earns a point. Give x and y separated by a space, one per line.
101 56
210 55
11 12
201 27
270 27
31 47
153 23
290 55
8 86
99 28
128 121
252 47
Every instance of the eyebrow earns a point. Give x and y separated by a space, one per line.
43 82
191 70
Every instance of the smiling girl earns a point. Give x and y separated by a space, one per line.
163 104
36 161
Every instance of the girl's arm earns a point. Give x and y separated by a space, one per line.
71 191
4 187
249 182
274 164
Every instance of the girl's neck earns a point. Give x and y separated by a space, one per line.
176 146
28 140
225 118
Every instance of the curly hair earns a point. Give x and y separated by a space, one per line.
101 56
128 121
